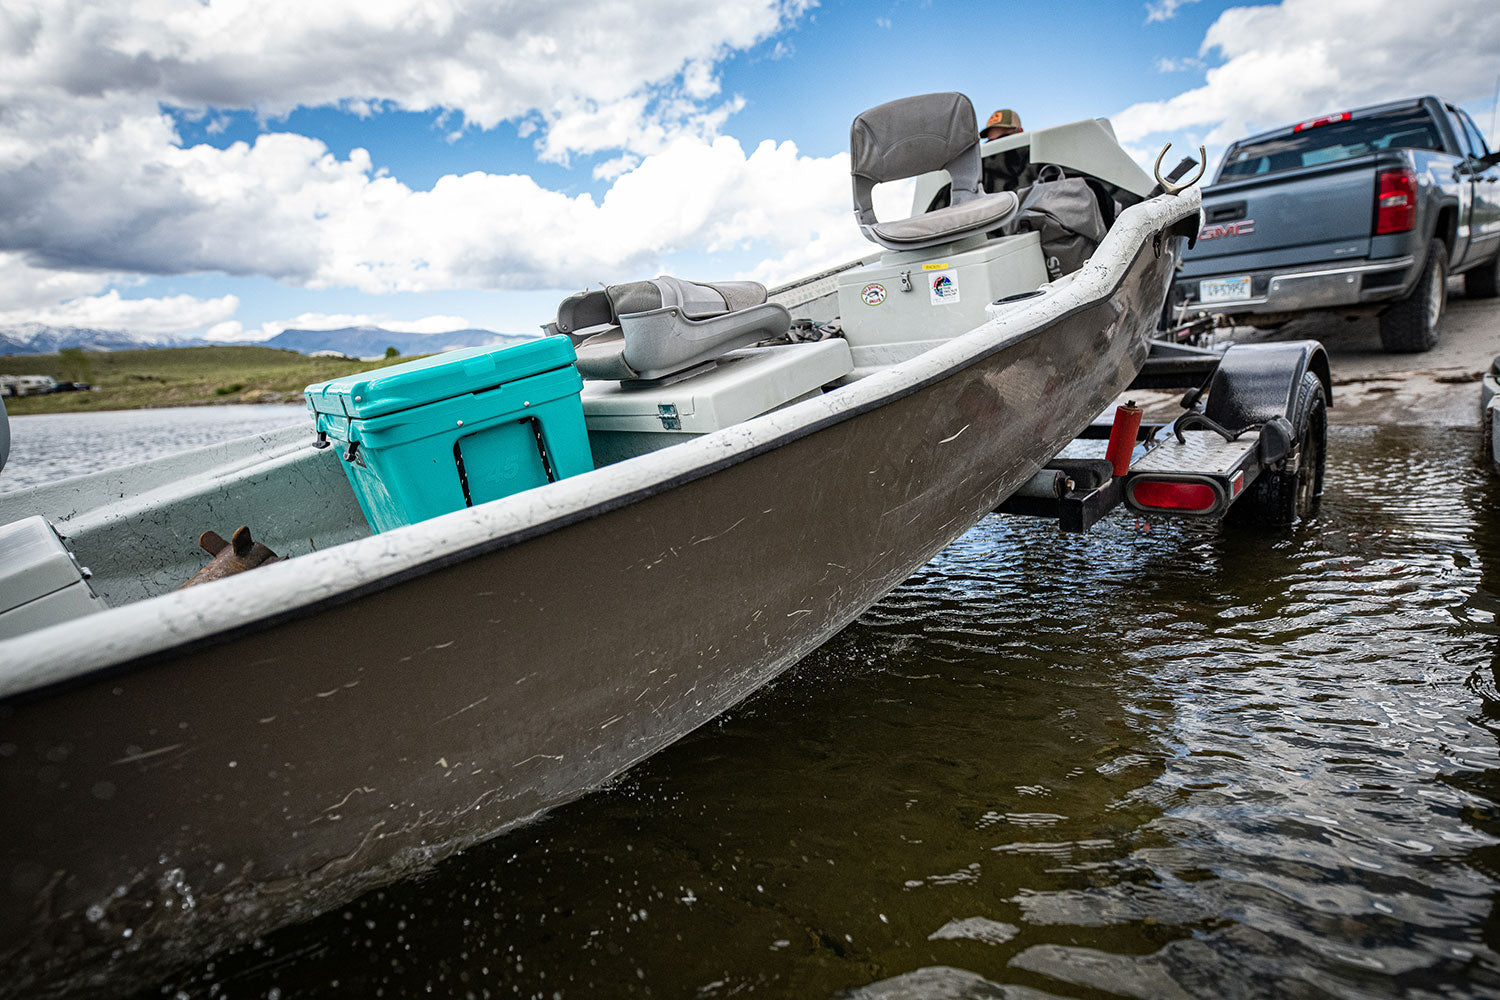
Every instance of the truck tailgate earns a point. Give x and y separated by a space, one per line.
1321 213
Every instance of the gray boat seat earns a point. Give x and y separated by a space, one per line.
646 330
913 136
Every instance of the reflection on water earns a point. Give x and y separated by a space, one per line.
1154 761
52 446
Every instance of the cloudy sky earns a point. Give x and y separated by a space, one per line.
232 168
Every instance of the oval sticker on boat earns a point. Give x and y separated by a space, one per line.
872 294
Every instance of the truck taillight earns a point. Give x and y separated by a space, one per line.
1325 120
1395 202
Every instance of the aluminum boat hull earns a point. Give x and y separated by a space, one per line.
201 767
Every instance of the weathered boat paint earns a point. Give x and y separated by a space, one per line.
209 764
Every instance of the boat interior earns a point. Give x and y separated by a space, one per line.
625 370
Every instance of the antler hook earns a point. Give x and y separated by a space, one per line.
1172 187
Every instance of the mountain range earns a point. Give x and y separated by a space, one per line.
38 338
369 341
356 341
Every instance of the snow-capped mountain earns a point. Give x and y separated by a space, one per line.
38 338
359 342
371 341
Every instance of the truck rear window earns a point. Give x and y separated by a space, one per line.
1411 128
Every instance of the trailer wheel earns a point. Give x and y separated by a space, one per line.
1411 325
1283 497
1483 282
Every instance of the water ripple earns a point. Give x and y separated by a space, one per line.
1160 760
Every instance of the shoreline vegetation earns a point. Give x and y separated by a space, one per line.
175 376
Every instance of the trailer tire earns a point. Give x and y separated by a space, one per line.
1283 497
1483 282
1410 325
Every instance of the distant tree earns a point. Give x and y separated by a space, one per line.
74 365
391 352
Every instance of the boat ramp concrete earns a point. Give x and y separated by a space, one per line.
1439 388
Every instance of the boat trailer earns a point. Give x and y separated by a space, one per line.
1251 439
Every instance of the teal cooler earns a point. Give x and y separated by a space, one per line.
442 433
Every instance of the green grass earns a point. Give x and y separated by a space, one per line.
180 376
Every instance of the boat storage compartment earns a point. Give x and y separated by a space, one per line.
453 430
41 582
626 420
913 300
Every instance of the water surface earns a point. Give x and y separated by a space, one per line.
1159 760
49 446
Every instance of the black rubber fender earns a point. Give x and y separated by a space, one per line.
1256 382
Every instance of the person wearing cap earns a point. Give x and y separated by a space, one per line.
1002 123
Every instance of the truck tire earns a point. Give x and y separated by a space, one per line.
1411 325
1283 497
1483 282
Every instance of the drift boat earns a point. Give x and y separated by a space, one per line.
185 768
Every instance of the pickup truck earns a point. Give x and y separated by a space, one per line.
1364 212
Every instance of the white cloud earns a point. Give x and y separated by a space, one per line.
1166 65
490 61
232 330
1304 57
1164 10
111 312
25 287
120 196
590 75
642 123
96 187
699 81
610 169
835 238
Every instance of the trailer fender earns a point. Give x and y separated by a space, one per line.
1256 382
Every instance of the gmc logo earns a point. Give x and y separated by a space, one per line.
1244 228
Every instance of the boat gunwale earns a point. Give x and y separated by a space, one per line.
59 657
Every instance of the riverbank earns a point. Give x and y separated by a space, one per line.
181 376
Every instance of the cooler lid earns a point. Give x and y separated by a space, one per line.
441 376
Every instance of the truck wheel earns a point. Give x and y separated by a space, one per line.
1283 497
1411 325
1484 281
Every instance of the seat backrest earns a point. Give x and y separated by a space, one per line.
912 136
652 329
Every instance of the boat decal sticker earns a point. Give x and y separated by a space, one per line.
872 294
944 289
934 267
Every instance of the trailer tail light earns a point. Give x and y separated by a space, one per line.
1178 496
1325 120
1395 202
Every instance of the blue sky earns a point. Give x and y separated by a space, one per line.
231 168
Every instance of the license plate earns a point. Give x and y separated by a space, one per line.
1224 289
